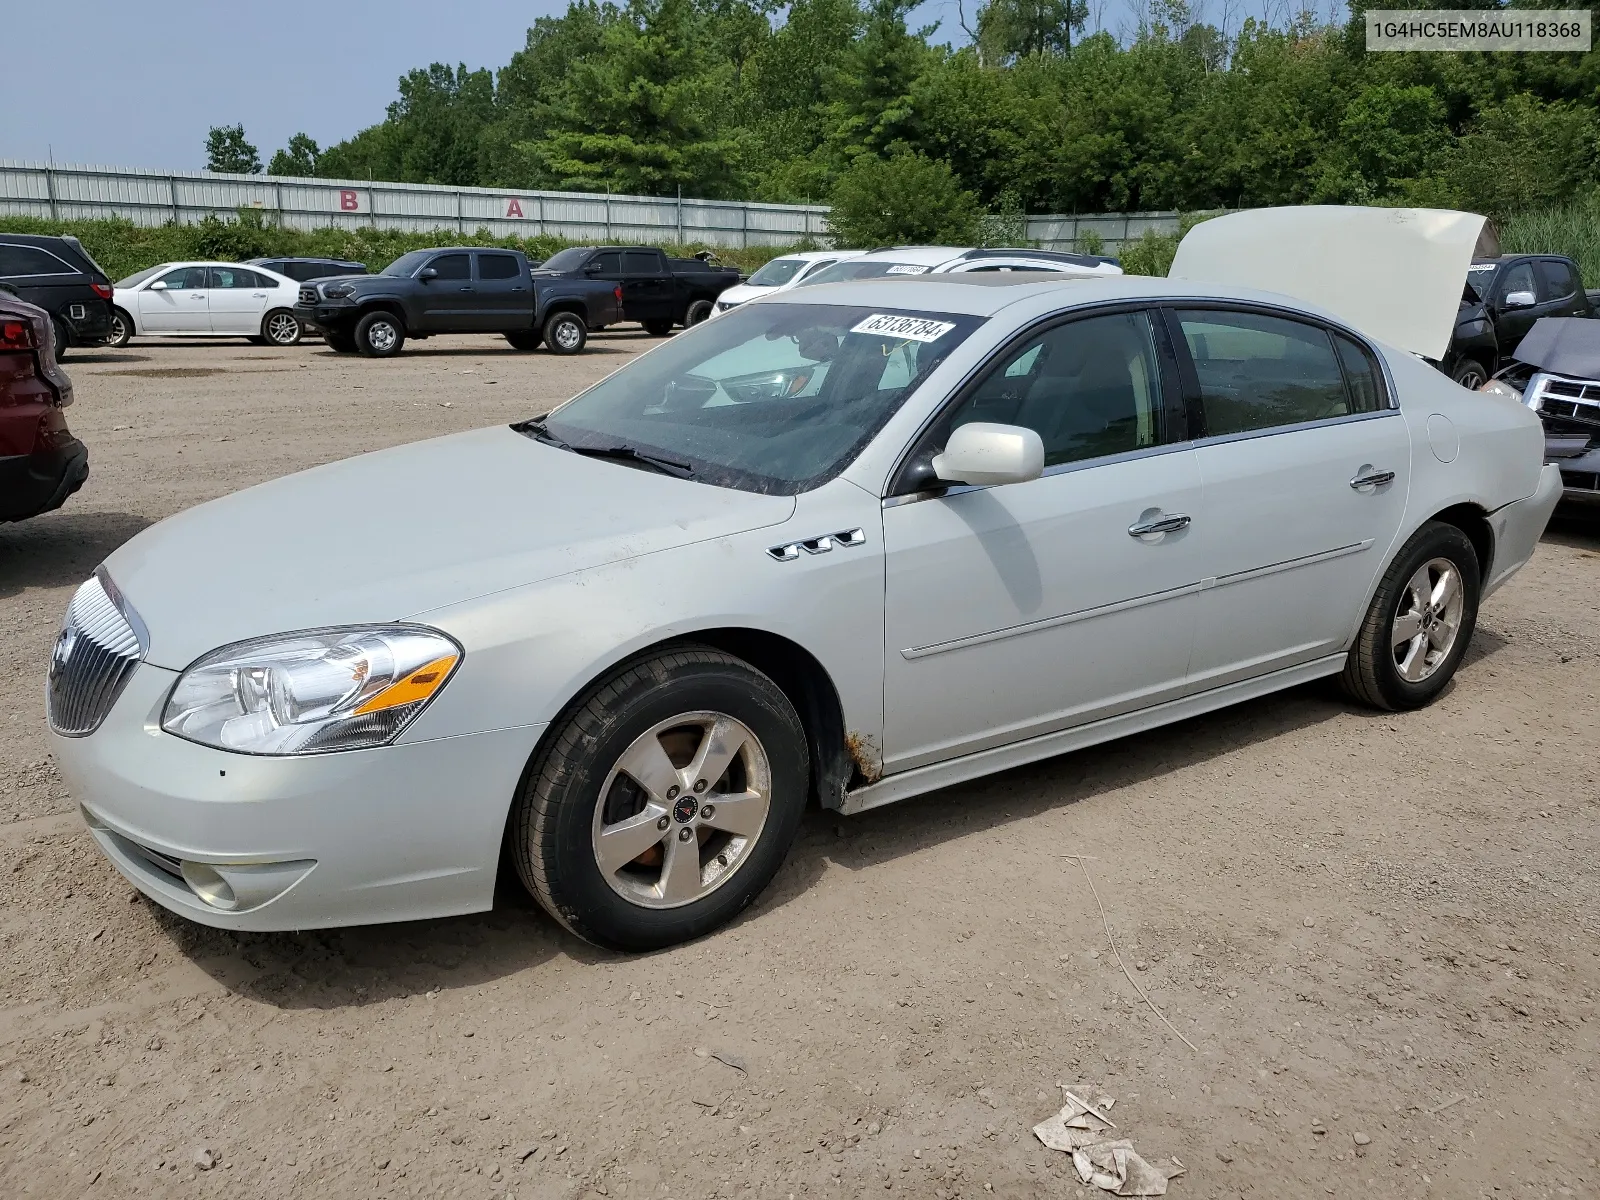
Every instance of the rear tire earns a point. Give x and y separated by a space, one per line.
380 335
524 339
667 712
698 311
657 328
121 329
565 333
1419 623
280 327
63 338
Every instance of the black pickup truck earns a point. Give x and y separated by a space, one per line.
458 289
1502 299
657 291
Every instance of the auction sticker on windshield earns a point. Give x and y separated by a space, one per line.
906 269
913 329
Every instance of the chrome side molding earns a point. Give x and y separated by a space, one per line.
821 544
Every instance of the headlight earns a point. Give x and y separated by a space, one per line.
338 291
1496 387
312 692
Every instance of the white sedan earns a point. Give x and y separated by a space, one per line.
787 271
840 548
903 261
206 299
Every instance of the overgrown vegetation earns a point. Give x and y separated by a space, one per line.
749 99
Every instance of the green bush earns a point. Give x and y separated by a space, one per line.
1153 253
904 199
1570 229
122 247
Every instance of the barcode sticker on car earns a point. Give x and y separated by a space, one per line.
906 269
911 329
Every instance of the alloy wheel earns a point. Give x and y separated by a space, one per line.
1427 621
681 811
283 329
381 336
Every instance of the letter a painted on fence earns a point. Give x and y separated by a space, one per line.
514 207
349 200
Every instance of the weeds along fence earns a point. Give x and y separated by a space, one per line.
151 198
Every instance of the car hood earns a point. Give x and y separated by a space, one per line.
740 292
1396 274
1563 346
388 535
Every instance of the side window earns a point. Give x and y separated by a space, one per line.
822 264
1361 375
637 262
452 266
190 279
497 266
1555 280
1517 279
30 260
610 264
298 271
1259 372
235 277
1088 388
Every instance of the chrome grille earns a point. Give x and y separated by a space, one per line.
94 657
1574 389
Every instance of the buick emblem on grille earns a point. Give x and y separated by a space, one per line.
64 645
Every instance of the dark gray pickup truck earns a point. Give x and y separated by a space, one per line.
458 289
657 291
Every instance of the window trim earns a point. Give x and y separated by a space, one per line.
1191 377
66 267
1175 432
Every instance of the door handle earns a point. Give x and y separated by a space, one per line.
1373 479
1170 523
197 295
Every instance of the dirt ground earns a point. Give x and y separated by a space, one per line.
1378 932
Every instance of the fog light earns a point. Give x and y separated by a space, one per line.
211 887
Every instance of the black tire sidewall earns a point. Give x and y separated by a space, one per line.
555 321
584 901
1469 366
1435 540
63 338
366 323
697 312
126 322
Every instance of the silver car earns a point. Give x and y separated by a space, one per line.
837 547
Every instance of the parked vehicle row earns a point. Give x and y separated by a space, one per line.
1502 299
843 545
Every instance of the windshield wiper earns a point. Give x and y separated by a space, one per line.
535 428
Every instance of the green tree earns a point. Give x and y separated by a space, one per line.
298 158
432 133
905 197
227 150
1012 29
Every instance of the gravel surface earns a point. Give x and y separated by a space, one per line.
1378 931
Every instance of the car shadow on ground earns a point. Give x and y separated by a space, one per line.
361 965
62 548
484 351
76 358
1575 526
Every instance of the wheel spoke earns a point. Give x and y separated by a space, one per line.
1443 636
680 877
721 744
619 844
1415 663
1406 627
1444 591
647 764
1420 586
739 813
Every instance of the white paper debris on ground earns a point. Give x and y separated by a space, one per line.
1083 1129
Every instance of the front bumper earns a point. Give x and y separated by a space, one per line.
398 833
36 483
320 317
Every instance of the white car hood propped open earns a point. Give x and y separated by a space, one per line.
1396 274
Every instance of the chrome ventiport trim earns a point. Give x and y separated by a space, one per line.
820 544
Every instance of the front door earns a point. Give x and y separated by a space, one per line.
448 296
503 301
238 300
1305 469
1016 611
183 305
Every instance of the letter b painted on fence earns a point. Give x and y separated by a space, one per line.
349 200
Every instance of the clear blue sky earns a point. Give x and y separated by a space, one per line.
138 85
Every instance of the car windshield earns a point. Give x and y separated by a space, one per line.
776 272
1479 277
139 277
567 260
407 264
859 269
770 397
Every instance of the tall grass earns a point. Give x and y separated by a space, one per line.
1572 229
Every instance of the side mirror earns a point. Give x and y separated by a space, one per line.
986 453
427 273
592 267
1519 300
159 285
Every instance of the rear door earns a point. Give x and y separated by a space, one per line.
647 286
503 299
181 305
449 300
1559 293
238 299
1304 466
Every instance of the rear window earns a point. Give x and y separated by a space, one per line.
18 260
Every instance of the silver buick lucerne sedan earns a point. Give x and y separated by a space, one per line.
840 546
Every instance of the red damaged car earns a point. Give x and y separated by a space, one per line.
41 463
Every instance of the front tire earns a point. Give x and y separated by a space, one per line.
698 311
524 339
339 343
280 327
1419 623
658 328
121 329
565 333
665 803
1470 374
380 335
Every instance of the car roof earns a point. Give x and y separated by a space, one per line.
301 258
930 256
814 255
983 294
